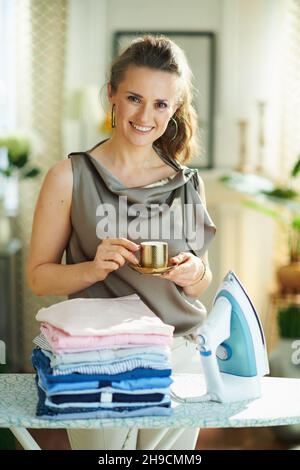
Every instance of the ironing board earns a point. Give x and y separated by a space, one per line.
279 405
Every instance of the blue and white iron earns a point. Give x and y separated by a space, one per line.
232 347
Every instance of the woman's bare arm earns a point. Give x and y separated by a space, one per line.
197 290
50 234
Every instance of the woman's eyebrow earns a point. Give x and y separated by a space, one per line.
140 96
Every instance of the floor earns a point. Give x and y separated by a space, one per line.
209 439
244 439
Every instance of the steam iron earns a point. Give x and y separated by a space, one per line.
232 347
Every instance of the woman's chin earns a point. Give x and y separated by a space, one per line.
139 141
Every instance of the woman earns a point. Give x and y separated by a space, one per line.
154 132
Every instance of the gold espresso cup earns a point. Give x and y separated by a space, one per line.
154 255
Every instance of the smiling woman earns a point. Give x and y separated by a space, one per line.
200 50
162 83
154 132
147 108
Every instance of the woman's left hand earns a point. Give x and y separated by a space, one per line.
188 269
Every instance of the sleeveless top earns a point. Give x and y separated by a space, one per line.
96 191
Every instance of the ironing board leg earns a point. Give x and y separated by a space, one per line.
25 439
163 440
168 441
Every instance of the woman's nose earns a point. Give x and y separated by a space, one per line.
145 115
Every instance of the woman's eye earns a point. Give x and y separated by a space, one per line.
162 105
135 99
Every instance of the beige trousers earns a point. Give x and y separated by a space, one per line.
185 359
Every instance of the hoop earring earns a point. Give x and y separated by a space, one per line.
176 125
113 116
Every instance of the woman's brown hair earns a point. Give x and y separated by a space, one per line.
160 53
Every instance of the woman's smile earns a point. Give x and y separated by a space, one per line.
140 129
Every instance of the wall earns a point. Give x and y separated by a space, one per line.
247 65
250 63
248 38
163 15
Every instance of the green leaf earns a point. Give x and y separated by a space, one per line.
296 168
296 223
282 193
15 145
19 160
32 173
18 152
6 172
262 209
225 178
289 322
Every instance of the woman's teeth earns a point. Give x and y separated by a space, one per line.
141 128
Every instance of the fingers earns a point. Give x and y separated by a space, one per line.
181 272
121 255
118 251
176 273
180 258
128 244
114 256
178 277
110 266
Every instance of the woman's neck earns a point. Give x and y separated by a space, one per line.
131 156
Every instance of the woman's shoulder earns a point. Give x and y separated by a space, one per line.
61 171
59 178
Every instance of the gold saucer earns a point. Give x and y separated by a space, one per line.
153 271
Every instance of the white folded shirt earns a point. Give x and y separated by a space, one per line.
104 317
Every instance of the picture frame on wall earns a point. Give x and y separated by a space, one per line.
199 47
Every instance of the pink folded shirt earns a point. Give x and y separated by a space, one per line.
60 340
104 317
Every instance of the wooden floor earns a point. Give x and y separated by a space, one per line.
209 439
243 439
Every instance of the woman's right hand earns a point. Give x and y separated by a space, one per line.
112 254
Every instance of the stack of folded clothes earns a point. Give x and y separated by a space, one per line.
102 358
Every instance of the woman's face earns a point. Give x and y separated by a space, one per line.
144 103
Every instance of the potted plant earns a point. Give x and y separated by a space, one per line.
289 274
281 203
15 153
18 150
284 360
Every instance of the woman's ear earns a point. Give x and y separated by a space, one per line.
175 107
109 92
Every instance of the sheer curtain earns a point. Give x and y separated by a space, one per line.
7 65
32 51
44 69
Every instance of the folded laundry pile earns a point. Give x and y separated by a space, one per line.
102 358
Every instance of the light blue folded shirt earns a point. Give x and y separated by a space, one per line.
143 391
137 384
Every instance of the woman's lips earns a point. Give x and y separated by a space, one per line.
140 131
